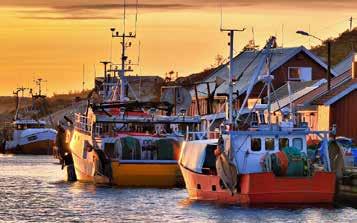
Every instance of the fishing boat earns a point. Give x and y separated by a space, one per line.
119 143
127 141
258 162
26 135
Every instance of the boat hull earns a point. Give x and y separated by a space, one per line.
43 147
262 188
160 175
126 173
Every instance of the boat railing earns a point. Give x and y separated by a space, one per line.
82 123
190 136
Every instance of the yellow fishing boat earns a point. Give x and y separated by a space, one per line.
131 148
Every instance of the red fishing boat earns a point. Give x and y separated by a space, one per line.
264 163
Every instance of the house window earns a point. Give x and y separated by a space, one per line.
256 144
300 73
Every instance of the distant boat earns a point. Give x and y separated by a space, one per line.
30 137
26 135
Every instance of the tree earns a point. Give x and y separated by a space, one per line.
219 60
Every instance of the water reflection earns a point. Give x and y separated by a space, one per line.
31 188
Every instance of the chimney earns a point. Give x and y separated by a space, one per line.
354 66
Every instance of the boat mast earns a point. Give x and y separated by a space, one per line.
124 57
18 90
229 113
38 82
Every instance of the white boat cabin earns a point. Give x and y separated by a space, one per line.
28 124
250 147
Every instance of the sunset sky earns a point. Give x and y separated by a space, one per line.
52 39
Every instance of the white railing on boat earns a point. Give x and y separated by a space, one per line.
82 123
202 135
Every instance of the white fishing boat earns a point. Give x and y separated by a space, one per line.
30 137
26 135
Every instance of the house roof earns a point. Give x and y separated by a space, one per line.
337 93
246 63
282 98
308 98
295 86
345 65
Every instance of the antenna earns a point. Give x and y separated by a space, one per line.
253 36
282 35
229 112
139 54
124 15
230 91
95 71
221 24
39 82
111 49
83 83
136 16
309 36
124 57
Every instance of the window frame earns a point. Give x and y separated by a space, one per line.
265 144
299 73
302 143
260 142
280 138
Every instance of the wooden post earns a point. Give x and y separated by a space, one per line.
208 99
197 101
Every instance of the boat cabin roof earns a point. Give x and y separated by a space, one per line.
29 122
156 119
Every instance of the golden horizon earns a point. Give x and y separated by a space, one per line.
54 41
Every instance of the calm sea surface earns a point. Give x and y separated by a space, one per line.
32 189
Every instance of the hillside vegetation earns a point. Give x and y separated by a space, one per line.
52 104
341 46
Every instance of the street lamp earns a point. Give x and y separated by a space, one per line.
328 55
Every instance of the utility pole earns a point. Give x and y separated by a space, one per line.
301 32
351 21
328 65
230 89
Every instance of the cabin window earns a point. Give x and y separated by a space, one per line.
86 147
256 144
84 155
298 143
20 127
300 73
269 144
32 138
283 143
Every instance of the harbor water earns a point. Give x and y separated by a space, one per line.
32 189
